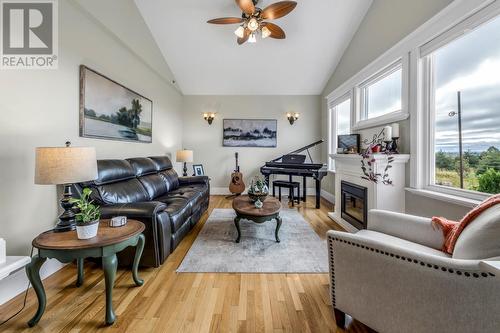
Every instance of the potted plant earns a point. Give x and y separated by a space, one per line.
258 189
87 215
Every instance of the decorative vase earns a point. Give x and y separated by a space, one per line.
254 196
87 231
258 204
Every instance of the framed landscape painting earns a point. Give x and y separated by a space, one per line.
249 133
108 110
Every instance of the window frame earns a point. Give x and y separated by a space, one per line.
333 125
427 136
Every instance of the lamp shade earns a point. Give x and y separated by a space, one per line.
184 156
65 165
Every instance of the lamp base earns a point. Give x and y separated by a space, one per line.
185 170
67 220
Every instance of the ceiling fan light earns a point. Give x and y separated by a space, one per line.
253 24
252 38
266 32
240 32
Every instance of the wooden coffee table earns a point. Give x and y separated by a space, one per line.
245 209
66 247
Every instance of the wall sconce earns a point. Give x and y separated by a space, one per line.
209 117
292 117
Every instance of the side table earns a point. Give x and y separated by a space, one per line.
66 247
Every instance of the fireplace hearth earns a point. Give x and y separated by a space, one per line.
354 206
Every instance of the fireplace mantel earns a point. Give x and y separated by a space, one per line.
380 196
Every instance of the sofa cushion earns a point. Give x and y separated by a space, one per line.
142 166
480 239
154 184
110 171
171 179
178 209
127 191
161 162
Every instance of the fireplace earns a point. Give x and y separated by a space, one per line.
354 207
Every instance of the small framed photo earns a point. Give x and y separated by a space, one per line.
198 170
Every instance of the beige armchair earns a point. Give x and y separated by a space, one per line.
393 278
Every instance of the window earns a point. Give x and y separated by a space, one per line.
340 123
463 97
382 94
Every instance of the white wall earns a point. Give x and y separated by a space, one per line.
218 161
40 108
385 24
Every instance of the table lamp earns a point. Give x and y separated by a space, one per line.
184 156
65 166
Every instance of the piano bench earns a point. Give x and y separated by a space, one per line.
291 186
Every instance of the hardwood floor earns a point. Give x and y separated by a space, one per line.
188 302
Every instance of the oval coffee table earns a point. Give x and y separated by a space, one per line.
245 209
66 247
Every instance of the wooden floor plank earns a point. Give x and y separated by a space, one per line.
188 302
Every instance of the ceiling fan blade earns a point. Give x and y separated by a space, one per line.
278 9
276 31
245 37
226 20
246 6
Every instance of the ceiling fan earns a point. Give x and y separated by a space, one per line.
252 20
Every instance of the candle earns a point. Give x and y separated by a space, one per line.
2 251
387 133
395 130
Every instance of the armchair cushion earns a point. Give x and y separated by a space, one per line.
479 240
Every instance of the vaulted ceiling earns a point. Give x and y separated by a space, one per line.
206 60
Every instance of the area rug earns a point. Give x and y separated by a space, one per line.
214 250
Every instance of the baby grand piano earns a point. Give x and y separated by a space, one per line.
294 164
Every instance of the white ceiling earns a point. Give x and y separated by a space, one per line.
206 60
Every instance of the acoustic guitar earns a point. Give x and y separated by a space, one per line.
237 186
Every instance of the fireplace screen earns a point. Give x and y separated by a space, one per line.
354 205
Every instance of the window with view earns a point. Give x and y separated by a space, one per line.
383 95
465 85
340 117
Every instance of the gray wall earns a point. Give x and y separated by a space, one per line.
218 161
385 24
40 108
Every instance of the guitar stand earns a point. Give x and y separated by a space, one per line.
233 195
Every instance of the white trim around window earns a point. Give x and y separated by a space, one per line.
332 125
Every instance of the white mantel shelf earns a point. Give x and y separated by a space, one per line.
398 158
380 196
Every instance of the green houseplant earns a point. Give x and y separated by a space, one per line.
258 189
87 215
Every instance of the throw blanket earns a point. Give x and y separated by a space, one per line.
453 229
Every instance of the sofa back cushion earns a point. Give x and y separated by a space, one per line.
116 183
167 172
147 172
480 239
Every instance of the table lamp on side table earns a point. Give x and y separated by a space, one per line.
184 156
65 166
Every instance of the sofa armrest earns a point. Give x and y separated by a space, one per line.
134 210
194 180
409 227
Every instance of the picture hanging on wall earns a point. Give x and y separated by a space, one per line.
109 110
250 133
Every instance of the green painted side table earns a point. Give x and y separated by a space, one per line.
245 209
66 247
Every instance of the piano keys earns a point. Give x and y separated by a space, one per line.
294 164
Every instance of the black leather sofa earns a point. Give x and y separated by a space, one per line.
149 190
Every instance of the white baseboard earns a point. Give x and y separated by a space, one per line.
17 282
284 191
328 196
